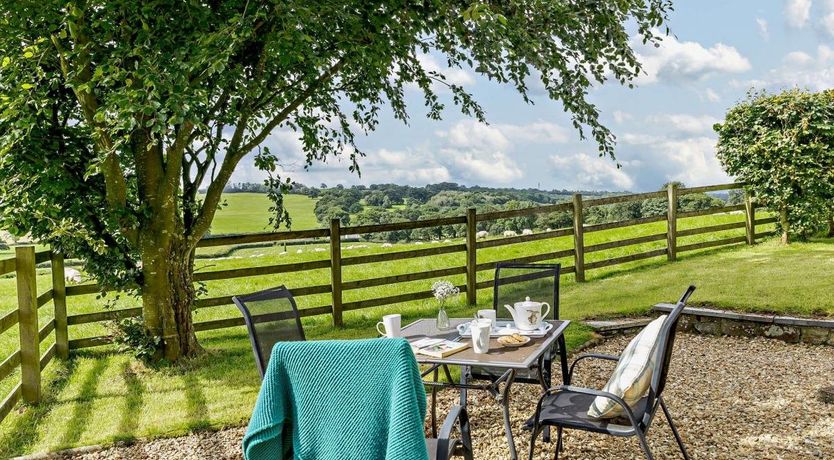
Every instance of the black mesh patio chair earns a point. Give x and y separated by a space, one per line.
445 446
567 406
271 316
513 282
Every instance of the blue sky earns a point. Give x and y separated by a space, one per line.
718 50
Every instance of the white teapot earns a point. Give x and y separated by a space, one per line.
528 315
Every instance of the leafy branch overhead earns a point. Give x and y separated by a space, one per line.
116 113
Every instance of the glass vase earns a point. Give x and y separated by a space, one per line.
442 319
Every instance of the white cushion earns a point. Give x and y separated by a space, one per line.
633 375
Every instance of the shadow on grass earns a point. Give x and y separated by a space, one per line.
134 399
23 433
196 405
83 409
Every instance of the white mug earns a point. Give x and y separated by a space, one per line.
480 334
390 325
487 314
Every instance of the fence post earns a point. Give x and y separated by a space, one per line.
27 305
672 223
750 218
471 257
59 301
578 238
336 270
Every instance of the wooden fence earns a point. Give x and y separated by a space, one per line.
31 362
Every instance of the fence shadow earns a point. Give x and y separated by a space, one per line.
83 408
24 429
134 399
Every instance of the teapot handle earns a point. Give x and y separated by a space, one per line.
546 312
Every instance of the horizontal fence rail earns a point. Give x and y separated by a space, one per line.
569 244
472 244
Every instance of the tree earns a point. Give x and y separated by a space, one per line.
780 145
115 113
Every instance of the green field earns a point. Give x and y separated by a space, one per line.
249 213
219 389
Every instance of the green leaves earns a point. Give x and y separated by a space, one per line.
782 145
166 97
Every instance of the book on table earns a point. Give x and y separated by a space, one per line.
438 348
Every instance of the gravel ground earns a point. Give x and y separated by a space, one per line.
732 398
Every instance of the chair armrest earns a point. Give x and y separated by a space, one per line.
457 415
588 391
589 356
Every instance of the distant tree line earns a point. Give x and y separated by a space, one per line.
389 203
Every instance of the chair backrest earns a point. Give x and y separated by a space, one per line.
665 344
514 281
271 316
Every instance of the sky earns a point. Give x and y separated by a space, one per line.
717 52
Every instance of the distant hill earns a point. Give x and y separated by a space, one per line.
385 203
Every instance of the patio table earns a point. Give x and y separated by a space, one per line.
510 360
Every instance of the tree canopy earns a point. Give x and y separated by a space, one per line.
782 146
115 113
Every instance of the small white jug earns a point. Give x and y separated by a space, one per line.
480 334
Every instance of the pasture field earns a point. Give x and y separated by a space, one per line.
249 213
590 303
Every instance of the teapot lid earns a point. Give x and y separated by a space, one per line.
528 303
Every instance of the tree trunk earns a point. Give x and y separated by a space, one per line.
830 225
168 293
786 226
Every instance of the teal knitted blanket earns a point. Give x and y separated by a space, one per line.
343 399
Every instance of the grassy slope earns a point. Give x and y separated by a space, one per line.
219 389
248 213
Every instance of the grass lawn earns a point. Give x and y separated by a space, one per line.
362 321
101 396
249 213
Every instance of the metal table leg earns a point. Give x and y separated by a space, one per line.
563 355
505 402
434 405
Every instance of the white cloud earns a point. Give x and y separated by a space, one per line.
467 151
454 76
478 152
797 58
477 165
693 161
827 23
582 171
657 159
797 12
469 134
684 123
827 19
800 70
763 28
620 116
539 132
413 167
676 61
711 95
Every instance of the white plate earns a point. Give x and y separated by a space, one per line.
507 328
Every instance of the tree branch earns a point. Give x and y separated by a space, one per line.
236 151
289 109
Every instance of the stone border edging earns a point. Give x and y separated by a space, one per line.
722 322
617 326
64 453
